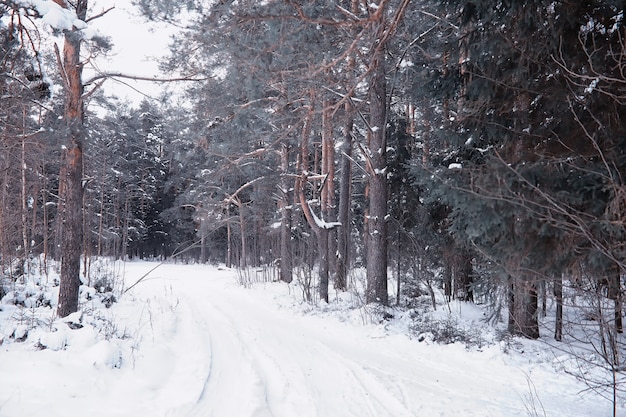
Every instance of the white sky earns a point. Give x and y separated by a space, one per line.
137 44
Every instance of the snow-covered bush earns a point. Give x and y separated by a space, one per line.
445 331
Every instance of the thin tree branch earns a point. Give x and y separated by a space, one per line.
107 75
99 15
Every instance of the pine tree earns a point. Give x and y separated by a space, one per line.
71 175
535 190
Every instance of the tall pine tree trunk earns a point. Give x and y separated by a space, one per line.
382 29
328 188
345 182
286 269
321 233
70 179
377 180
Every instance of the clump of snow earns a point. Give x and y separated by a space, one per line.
592 85
56 16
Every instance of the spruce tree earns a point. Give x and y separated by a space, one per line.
539 144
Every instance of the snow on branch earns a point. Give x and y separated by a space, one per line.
315 222
321 223
55 15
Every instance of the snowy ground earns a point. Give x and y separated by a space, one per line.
190 341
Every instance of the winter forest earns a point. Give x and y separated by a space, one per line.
412 153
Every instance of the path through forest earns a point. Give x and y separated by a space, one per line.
199 344
249 358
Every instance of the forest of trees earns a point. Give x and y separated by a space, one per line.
474 146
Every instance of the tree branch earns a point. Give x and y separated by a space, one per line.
57 53
99 15
107 75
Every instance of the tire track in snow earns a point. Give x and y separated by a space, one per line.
287 374
255 360
233 386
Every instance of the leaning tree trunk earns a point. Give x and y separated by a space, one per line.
70 179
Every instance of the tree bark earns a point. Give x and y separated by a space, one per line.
243 260
377 180
558 295
523 313
229 237
24 197
328 188
345 182
463 279
70 179
614 292
286 269
447 279
321 232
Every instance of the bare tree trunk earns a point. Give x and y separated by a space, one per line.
511 301
86 245
125 228
243 262
24 196
345 187
44 209
328 189
543 284
345 197
101 217
523 313
463 279
203 252
398 268
322 245
558 295
286 268
4 255
229 248
614 292
320 233
70 178
377 180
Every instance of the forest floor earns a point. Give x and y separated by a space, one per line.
190 340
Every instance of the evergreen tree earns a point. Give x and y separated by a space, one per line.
539 149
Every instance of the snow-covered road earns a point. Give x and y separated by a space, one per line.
205 346
249 358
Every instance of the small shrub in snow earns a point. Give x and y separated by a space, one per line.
445 331
103 294
29 295
20 333
507 342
